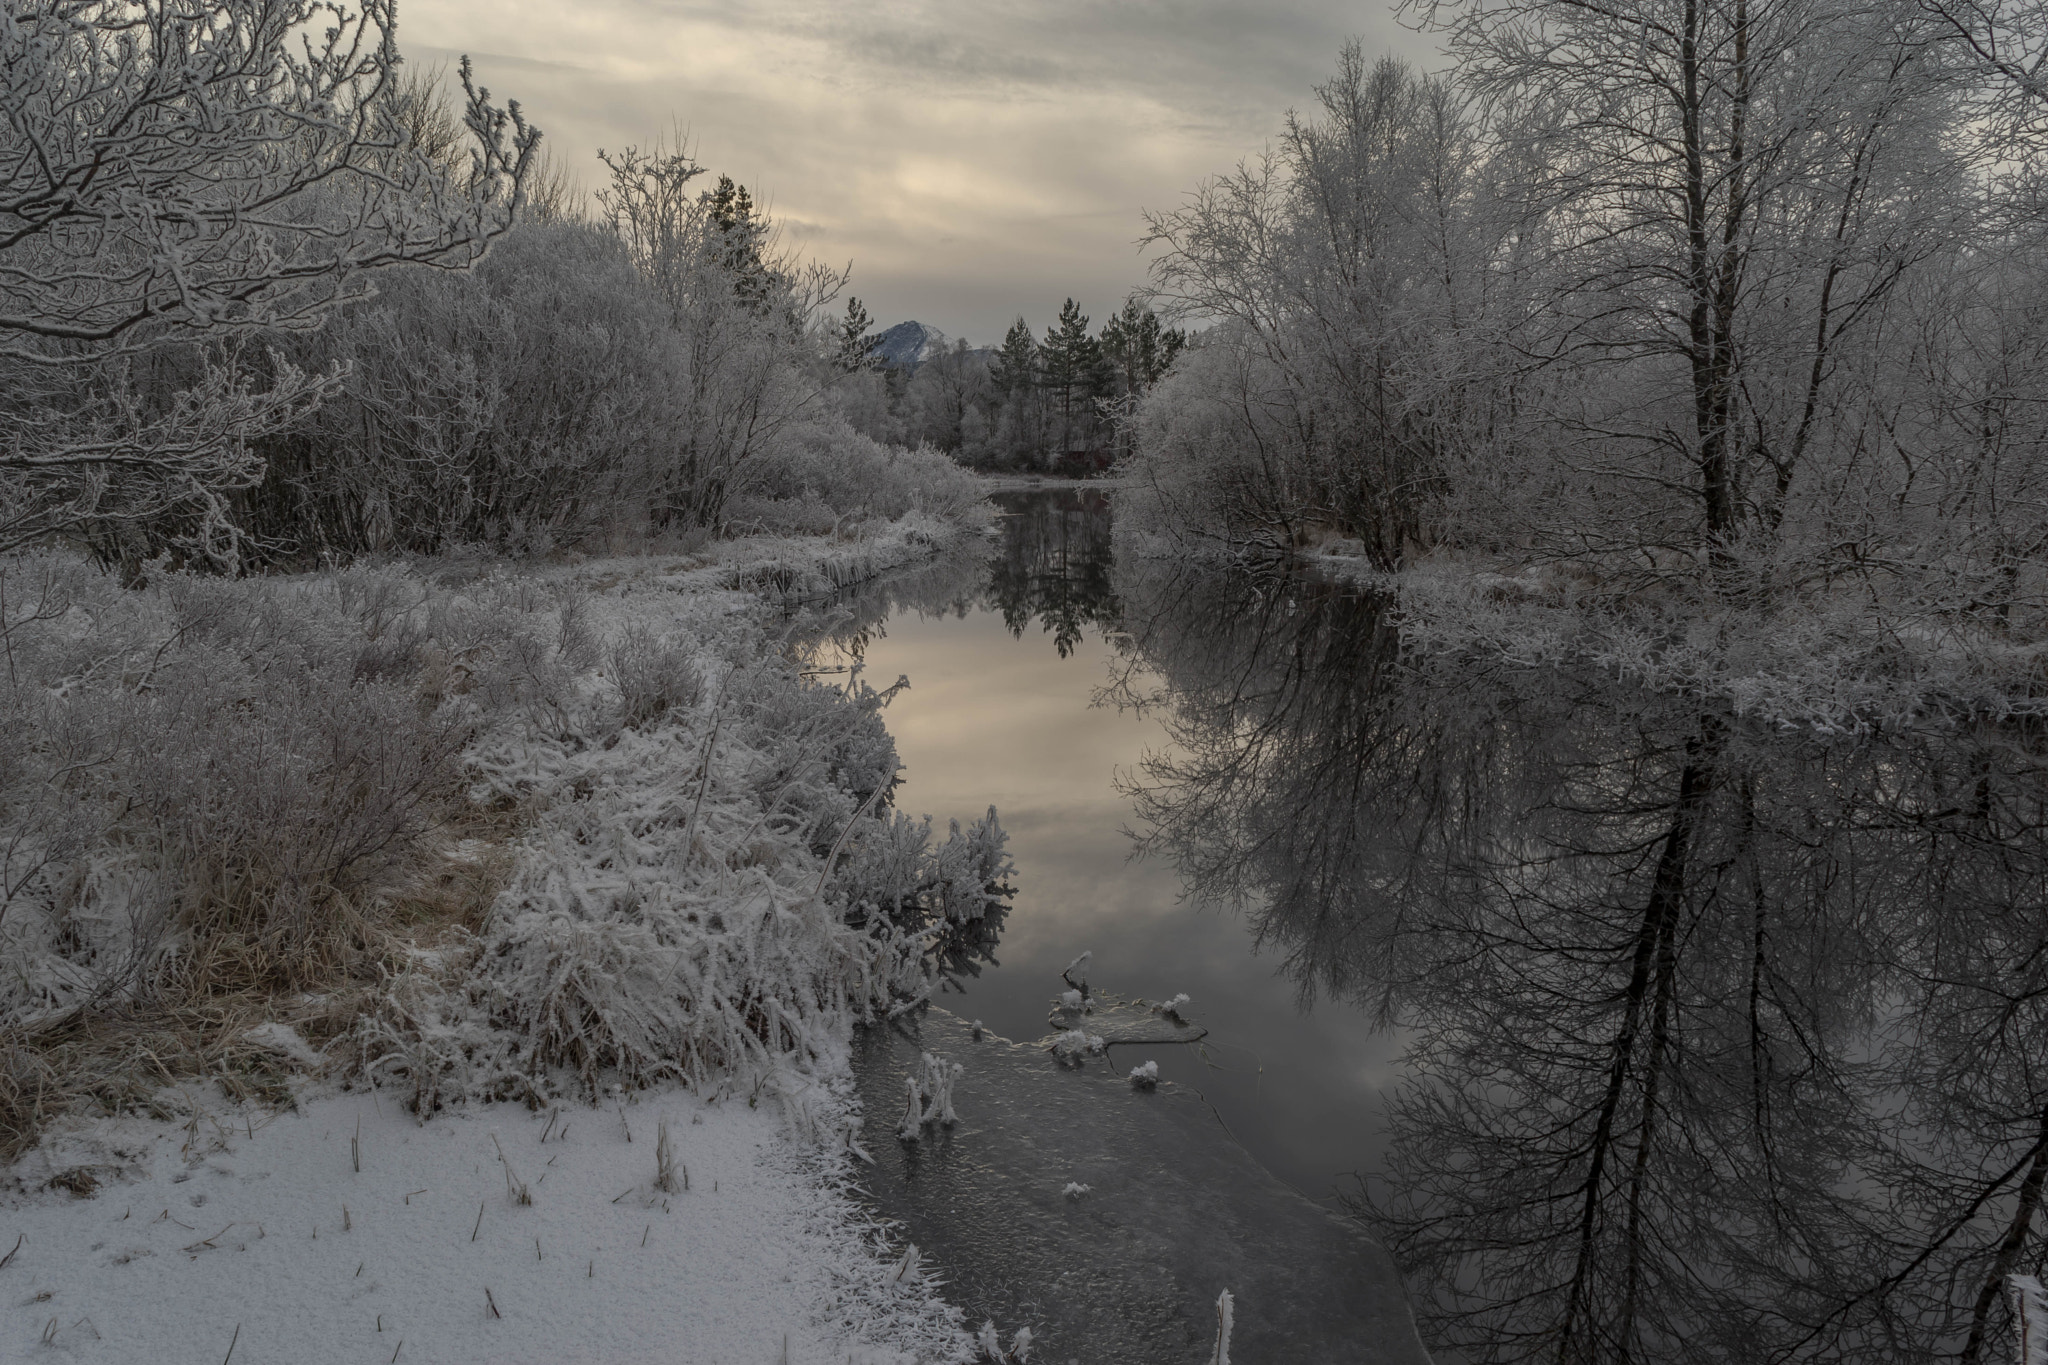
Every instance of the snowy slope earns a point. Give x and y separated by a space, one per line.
908 345
259 1232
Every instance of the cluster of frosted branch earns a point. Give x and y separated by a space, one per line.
179 175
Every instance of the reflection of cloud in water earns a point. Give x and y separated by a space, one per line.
1724 1043
995 715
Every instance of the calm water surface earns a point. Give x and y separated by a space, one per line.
1016 671
1708 1040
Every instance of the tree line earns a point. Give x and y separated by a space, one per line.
1061 401
269 304
1733 296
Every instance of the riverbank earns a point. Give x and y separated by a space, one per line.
1840 657
503 861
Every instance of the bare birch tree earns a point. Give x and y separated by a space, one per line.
1732 190
178 178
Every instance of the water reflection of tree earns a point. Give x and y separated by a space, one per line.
1050 564
1726 1044
1053 565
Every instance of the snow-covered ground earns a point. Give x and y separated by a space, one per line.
257 1230
661 944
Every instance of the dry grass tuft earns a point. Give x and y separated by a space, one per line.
229 802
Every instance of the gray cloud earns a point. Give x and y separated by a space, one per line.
974 160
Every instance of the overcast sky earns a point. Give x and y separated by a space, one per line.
973 159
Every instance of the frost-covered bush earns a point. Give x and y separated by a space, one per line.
676 911
818 476
1205 472
520 406
203 782
956 894
512 831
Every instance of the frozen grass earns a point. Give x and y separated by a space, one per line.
1830 662
671 916
566 835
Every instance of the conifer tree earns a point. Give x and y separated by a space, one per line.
732 211
1015 367
1138 349
1069 360
856 343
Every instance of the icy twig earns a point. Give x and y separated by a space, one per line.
665 1178
1076 973
913 1113
939 1076
515 1188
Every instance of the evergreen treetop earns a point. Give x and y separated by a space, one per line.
1015 366
857 344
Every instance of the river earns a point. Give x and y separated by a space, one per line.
1634 1029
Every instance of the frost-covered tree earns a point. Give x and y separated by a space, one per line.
1730 193
1725 296
1348 274
179 178
520 406
948 400
743 310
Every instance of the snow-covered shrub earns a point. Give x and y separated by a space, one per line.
520 406
956 895
652 674
674 912
1199 479
1074 1045
202 782
820 475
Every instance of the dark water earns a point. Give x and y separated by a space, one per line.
1017 665
1705 1040
1129 1272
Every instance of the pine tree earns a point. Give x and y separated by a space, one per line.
1069 360
732 210
1015 367
1138 348
856 345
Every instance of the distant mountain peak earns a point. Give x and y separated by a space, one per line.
908 345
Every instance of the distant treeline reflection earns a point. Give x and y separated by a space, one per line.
1053 567
1050 568
1726 1043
